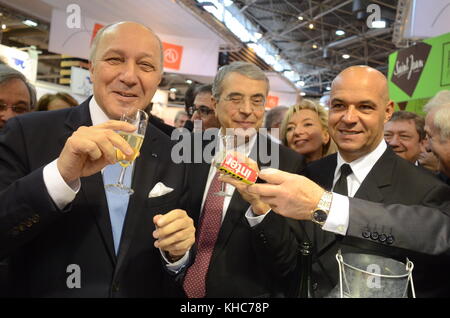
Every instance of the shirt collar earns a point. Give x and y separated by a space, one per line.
362 166
98 116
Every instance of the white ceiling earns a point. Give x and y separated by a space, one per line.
163 16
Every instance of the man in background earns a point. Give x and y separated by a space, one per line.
17 95
204 115
405 133
437 127
273 119
180 119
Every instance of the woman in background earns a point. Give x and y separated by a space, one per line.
305 130
56 101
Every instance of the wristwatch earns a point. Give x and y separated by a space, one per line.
320 214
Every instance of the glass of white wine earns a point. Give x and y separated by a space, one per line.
138 118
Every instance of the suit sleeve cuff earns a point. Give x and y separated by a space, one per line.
254 219
60 192
177 266
338 217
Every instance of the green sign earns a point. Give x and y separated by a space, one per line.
419 72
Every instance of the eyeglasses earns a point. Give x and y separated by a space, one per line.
257 101
18 109
203 110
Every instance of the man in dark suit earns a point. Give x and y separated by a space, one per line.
380 203
248 251
64 236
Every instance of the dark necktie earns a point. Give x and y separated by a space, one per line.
341 184
210 221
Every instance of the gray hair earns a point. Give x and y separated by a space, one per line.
275 116
179 114
441 120
244 68
102 31
7 73
442 97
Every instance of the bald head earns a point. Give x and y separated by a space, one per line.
366 76
359 108
111 29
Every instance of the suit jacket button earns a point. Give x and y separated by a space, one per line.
35 218
21 227
366 234
390 239
28 223
382 238
374 236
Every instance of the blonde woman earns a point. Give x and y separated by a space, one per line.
305 130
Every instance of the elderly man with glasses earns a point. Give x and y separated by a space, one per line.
203 108
17 96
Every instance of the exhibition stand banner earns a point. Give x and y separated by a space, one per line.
190 56
419 72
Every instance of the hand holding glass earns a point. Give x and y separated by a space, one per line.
139 118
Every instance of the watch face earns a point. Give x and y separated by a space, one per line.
320 216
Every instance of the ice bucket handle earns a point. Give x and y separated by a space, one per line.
409 269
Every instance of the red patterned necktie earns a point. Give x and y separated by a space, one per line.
210 221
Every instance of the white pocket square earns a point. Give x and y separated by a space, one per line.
158 190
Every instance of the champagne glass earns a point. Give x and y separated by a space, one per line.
138 118
228 145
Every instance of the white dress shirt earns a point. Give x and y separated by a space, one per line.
338 218
63 193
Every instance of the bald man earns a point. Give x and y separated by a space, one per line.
64 235
365 198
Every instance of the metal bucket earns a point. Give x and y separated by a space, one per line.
372 276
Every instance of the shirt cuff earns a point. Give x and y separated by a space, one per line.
254 219
60 192
338 217
177 266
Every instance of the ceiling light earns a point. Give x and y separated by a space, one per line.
340 32
173 90
311 26
301 83
345 56
328 88
300 18
302 93
227 3
380 24
3 26
30 23
188 82
314 46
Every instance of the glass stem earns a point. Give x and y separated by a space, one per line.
122 175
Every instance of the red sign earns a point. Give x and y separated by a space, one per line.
238 170
172 55
97 27
272 101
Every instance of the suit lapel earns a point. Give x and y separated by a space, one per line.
379 177
92 188
235 212
145 168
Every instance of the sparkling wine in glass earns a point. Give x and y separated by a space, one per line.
138 118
